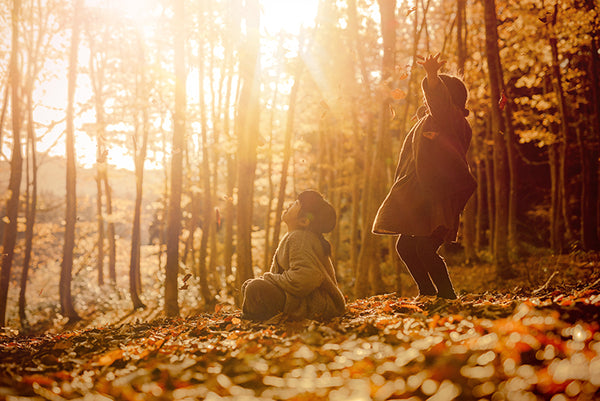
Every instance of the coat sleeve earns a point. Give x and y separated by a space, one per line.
304 274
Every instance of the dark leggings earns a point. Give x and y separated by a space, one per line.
262 300
427 268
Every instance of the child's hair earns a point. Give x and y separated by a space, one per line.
458 91
321 215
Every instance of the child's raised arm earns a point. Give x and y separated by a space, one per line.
431 65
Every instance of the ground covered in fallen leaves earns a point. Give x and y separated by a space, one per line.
543 346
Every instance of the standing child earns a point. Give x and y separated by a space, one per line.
301 282
432 182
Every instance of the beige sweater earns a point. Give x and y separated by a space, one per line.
306 275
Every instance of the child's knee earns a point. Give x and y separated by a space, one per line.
261 299
251 291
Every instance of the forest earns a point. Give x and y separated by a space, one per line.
148 149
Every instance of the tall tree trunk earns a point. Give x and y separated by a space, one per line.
110 230
513 193
99 217
501 178
563 138
162 244
470 212
135 289
229 217
556 228
355 199
417 32
14 185
207 206
4 109
174 212
490 185
248 131
97 80
360 145
368 271
481 198
31 203
97 65
270 185
287 153
66 299
32 167
233 24
590 219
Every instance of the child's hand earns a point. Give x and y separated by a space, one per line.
431 64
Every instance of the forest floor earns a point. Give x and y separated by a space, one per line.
534 337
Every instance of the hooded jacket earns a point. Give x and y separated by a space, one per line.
306 275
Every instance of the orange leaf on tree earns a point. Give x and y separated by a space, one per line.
398 94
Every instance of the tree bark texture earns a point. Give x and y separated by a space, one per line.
31 203
369 274
287 154
207 206
590 207
248 131
14 185
501 178
174 209
97 80
66 299
135 288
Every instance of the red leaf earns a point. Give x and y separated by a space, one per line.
218 218
502 101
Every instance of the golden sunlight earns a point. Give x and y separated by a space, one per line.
128 8
276 16
287 15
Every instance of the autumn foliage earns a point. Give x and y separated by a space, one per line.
384 347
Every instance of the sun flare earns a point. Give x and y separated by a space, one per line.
288 15
128 8
276 16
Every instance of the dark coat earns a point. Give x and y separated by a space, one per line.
433 181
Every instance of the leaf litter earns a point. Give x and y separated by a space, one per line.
486 346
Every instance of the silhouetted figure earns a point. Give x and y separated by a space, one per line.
432 182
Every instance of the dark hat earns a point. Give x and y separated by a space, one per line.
321 214
458 91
